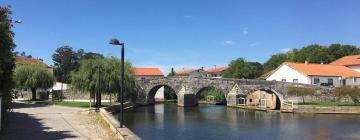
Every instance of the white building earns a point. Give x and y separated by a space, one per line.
151 73
320 74
192 73
215 72
352 61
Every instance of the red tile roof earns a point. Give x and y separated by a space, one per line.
30 60
147 72
347 61
323 70
267 74
184 72
215 70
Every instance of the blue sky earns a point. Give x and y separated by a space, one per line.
183 33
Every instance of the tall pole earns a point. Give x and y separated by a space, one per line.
122 86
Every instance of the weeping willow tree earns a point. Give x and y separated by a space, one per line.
103 75
33 77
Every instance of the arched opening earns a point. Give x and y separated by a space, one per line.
162 93
211 95
263 98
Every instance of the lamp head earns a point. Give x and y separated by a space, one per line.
115 41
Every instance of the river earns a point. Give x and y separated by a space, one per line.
206 122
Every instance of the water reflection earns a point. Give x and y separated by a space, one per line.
167 121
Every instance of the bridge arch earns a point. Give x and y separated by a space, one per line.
278 96
199 93
154 89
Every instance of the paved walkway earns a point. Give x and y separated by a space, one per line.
40 122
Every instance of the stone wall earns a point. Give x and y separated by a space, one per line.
227 86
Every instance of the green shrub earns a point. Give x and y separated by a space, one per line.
353 92
301 91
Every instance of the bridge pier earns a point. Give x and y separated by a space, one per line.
231 100
187 100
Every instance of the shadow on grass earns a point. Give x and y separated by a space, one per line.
21 126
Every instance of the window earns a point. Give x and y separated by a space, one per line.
331 82
283 80
295 80
316 80
355 79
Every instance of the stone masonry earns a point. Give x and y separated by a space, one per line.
188 89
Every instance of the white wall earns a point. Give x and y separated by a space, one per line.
288 73
323 79
159 95
356 68
352 81
57 86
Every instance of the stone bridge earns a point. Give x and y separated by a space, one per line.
188 89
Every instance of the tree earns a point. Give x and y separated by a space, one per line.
65 61
87 78
256 70
7 62
172 73
33 76
275 61
239 68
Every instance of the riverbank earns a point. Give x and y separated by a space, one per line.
327 109
36 121
121 133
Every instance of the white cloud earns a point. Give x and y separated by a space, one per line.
245 31
285 50
229 42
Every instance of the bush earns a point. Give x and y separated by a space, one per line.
301 91
353 92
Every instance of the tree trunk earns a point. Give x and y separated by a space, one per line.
303 99
33 91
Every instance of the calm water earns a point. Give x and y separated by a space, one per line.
167 121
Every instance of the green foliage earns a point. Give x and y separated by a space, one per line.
34 77
169 93
313 54
353 92
275 61
66 60
239 68
87 78
172 73
211 91
301 91
7 63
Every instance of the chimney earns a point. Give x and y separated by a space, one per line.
306 62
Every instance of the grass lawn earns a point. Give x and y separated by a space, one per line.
329 104
68 103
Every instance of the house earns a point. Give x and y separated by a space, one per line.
216 72
352 62
151 73
26 60
147 73
192 73
319 74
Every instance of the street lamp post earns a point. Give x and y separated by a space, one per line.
121 117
